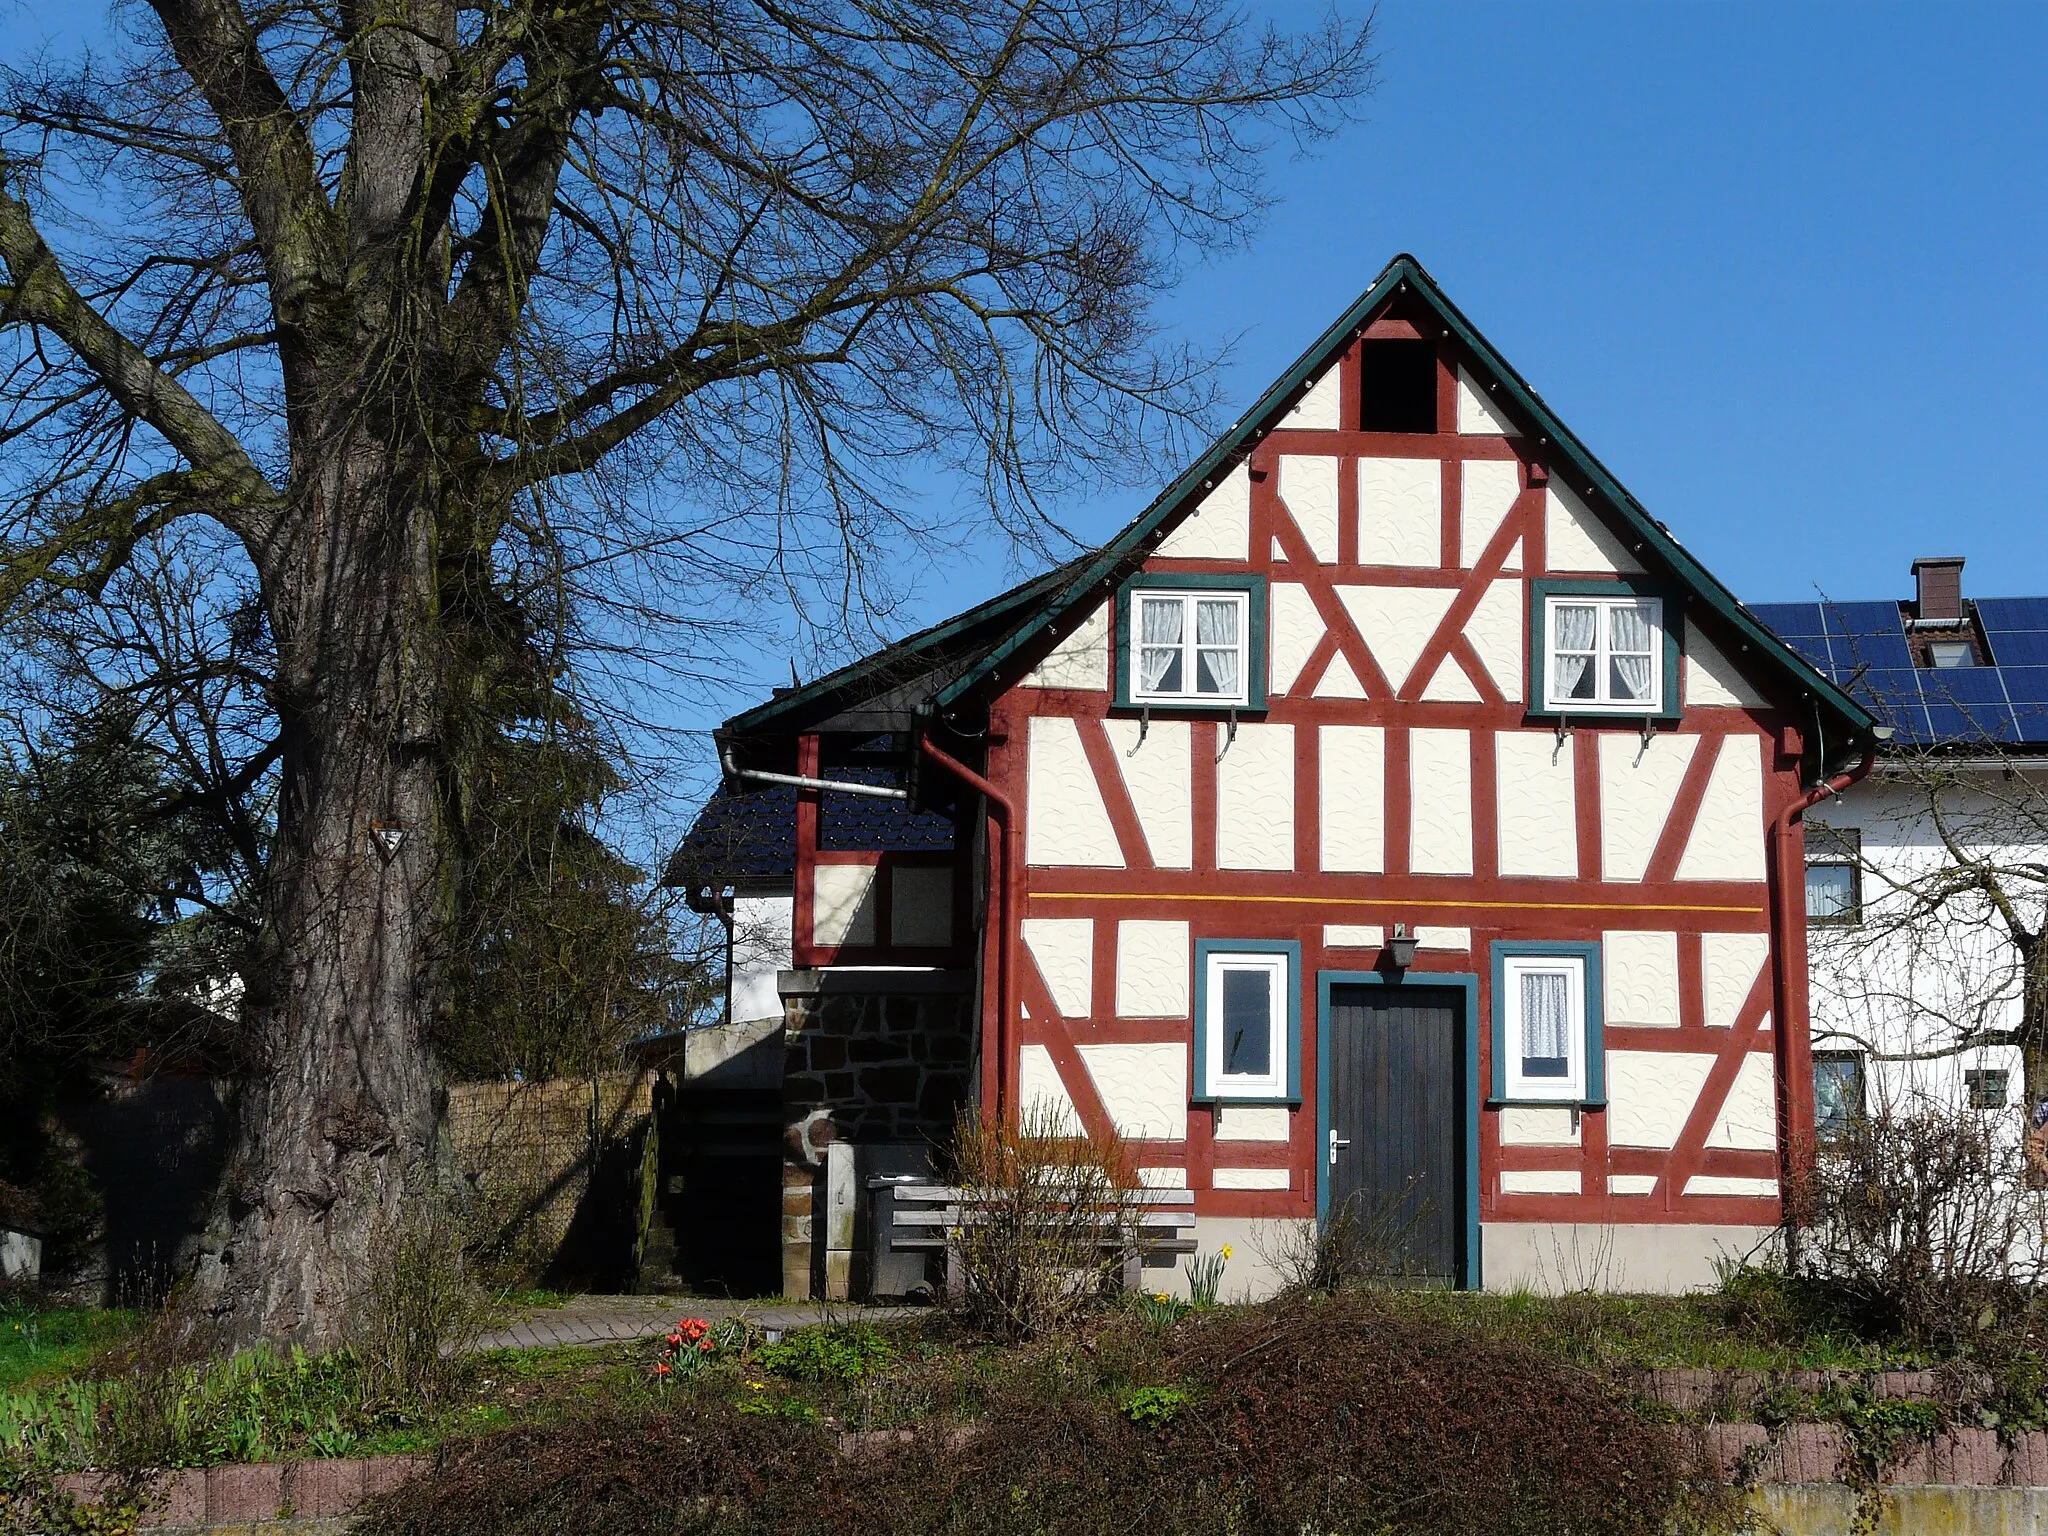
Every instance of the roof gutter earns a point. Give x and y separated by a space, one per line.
1002 854
803 781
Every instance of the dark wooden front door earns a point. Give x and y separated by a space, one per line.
1394 1162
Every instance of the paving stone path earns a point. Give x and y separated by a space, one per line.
619 1319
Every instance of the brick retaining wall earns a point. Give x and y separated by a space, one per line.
1799 1454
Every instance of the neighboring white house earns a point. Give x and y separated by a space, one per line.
1918 876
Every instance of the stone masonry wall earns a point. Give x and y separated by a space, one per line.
865 1068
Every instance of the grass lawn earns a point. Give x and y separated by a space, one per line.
49 1344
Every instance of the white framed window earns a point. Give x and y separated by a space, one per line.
1603 653
1190 647
1244 999
1545 1013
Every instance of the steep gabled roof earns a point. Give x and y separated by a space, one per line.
1405 276
968 656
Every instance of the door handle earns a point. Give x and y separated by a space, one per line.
1336 1141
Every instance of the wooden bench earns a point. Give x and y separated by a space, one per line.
1147 1222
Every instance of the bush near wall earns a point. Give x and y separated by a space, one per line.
1332 1415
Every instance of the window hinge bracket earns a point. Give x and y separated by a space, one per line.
1230 740
1144 725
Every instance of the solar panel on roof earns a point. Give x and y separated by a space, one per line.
1867 635
2013 612
2032 720
1813 647
1963 685
2018 647
2026 685
1789 619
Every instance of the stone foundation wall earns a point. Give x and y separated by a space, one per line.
868 1067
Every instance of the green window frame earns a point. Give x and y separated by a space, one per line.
1592 1087
1251 586
1670 704
1286 1074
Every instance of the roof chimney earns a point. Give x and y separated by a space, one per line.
1941 589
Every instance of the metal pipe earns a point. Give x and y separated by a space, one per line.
1005 812
804 781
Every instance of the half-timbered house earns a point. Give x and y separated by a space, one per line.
1394 817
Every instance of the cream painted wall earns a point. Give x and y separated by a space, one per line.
1396 623
1339 681
1440 794
1497 634
1650 1093
1308 490
1575 540
1638 783
1354 935
1729 966
1220 527
843 904
1158 774
1728 835
1711 679
1252 1122
1352 797
1221 1177
1641 974
1538 815
1449 684
1534 1125
1400 512
1064 949
1065 821
1041 1091
1321 409
1143 1086
1490 487
1539 1181
1292 634
1477 416
1152 969
1255 799
1080 660
1749 1117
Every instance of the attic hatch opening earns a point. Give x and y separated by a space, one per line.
1397 385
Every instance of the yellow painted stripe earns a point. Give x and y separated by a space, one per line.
1391 901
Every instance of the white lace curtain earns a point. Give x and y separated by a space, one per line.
1159 654
1546 1020
1628 644
1573 634
1219 658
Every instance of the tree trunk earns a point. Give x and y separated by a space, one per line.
342 1118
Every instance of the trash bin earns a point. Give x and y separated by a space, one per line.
893 1273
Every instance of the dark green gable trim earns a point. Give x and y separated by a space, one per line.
1252 585
1562 452
1538 660
799 701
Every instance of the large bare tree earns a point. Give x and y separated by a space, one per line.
459 315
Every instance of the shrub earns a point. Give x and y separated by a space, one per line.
1336 1415
1920 1224
422 1312
1045 1197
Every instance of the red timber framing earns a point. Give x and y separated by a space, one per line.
1296 904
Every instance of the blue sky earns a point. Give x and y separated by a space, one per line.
1784 268
1781 266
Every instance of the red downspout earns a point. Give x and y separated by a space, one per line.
1794 1032
1004 811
